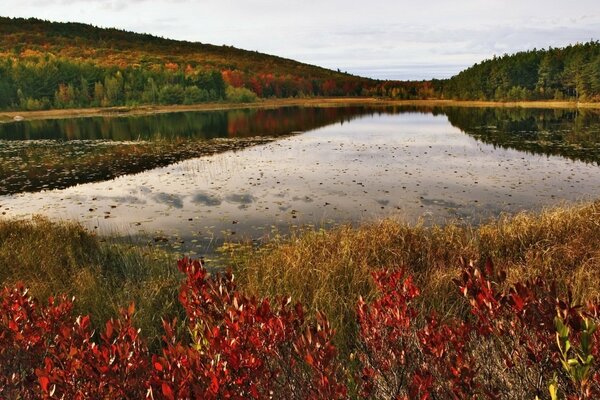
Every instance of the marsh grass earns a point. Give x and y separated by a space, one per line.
326 270
329 270
62 257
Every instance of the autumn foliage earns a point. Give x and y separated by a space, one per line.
242 347
517 341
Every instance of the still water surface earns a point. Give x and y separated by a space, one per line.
328 166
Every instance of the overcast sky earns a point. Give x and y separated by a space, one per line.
387 39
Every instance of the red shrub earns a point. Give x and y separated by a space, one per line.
78 368
518 324
26 334
242 347
518 341
401 361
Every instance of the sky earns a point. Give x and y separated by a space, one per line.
383 39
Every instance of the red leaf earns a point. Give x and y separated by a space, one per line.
167 391
12 325
309 359
44 382
109 329
214 384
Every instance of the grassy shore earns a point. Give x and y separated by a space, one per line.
54 258
325 270
7 116
329 270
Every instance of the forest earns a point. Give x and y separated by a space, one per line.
47 65
569 73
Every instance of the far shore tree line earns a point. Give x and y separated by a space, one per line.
44 82
41 83
569 73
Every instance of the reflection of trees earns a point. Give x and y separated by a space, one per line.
169 138
574 134
75 155
184 125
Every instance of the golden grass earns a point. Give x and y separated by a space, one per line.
324 270
329 270
63 258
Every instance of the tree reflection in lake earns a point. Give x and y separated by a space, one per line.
55 154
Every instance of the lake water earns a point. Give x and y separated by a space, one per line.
325 166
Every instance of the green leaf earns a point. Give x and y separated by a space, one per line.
553 389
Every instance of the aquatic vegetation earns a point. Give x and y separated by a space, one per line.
35 166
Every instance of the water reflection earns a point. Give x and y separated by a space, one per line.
181 125
410 164
574 134
56 154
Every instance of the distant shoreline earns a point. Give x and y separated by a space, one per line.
8 116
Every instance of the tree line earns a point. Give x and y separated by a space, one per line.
46 65
47 82
36 84
569 73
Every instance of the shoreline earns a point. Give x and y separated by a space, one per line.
8 116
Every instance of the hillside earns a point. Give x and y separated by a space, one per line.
50 65
113 47
58 65
571 72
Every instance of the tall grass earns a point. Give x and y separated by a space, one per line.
324 270
62 257
329 270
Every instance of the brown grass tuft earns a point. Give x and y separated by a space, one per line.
60 257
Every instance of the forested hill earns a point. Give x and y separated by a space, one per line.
571 73
49 65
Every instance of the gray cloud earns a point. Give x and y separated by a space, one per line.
169 199
207 199
241 198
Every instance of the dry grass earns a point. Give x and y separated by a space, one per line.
53 258
329 270
325 270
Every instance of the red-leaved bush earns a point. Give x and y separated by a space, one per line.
242 347
46 352
518 341
401 361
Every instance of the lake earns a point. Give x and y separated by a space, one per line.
192 181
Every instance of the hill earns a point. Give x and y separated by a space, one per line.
47 65
571 72
57 65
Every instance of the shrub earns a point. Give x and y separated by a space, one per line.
240 95
194 94
171 94
242 347
519 341
239 347
46 351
